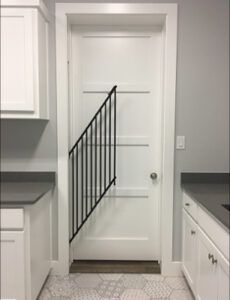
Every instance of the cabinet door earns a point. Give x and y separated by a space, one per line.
189 249
223 277
17 74
207 270
12 265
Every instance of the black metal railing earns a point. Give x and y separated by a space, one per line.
93 163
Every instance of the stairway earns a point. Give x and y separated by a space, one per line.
93 164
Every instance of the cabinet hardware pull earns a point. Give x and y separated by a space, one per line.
187 204
210 256
214 261
193 232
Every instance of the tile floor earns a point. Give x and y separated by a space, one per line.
115 287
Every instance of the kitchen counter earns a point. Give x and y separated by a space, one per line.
22 188
210 191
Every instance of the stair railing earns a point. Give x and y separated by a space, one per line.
93 164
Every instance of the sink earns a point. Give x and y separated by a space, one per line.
227 206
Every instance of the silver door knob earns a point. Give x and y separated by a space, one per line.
153 176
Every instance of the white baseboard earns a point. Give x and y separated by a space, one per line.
58 269
173 268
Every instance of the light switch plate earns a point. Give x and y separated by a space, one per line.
180 142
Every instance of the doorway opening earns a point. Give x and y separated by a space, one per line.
135 50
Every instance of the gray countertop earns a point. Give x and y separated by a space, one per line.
211 196
23 188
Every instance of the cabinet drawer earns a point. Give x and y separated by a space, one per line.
12 218
190 206
217 234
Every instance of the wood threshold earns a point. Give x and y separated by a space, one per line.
105 266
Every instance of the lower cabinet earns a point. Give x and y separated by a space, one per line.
12 265
25 249
204 266
213 271
222 278
207 269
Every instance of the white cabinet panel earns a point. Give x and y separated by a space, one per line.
223 277
17 92
24 63
12 258
189 249
11 218
206 275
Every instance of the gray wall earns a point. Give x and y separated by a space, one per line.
202 107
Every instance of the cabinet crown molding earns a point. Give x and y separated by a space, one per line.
39 4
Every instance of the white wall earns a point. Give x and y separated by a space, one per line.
202 106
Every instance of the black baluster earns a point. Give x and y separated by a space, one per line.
105 151
100 152
73 193
115 132
82 179
77 187
86 173
95 160
109 139
91 166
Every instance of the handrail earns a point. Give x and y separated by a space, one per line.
107 98
92 170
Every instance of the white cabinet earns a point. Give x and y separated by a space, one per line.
222 277
206 272
25 249
12 265
205 258
189 254
24 61
213 271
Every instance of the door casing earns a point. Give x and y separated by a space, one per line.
85 13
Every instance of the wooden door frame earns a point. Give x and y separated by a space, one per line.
169 11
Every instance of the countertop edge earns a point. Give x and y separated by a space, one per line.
205 209
5 204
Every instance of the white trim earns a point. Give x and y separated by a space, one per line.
39 4
173 268
170 30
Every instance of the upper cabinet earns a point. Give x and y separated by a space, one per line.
24 60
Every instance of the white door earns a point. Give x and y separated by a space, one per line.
125 226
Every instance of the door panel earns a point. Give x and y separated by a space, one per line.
126 223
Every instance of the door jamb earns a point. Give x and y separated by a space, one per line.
168 266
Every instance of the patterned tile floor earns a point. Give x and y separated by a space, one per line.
115 287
